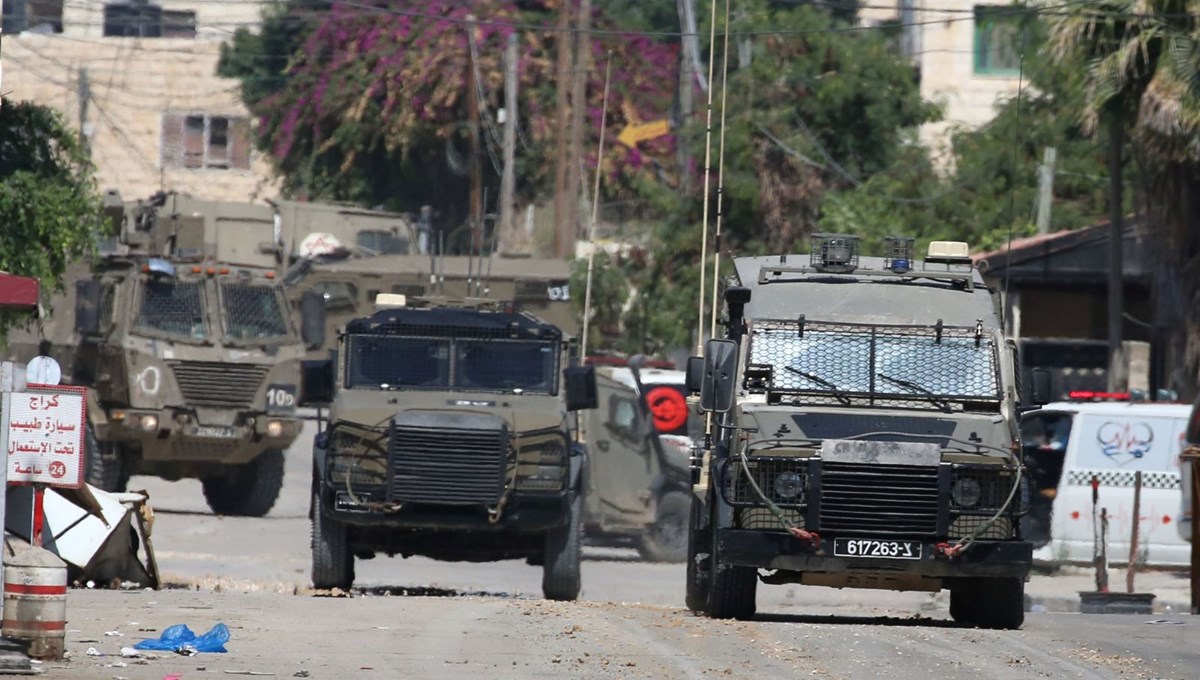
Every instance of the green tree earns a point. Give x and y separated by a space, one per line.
48 201
1143 77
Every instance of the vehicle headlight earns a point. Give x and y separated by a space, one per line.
966 492
788 485
356 458
148 422
542 465
274 428
540 478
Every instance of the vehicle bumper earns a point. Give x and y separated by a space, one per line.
178 437
520 513
776 550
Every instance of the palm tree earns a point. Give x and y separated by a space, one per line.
1141 61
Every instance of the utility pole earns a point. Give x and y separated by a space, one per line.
1046 189
476 206
84 95
579 78
683 101
507 180
1116 279
562 45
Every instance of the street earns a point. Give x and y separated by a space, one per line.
420 618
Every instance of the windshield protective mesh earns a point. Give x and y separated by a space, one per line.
173 308
252 311
866 362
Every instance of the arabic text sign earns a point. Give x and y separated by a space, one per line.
43 433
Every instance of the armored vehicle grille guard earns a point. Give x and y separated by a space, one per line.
873 499
430 463
209 383
917 367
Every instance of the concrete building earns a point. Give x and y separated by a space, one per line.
137 79
967 53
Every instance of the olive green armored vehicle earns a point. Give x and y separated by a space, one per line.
450 434
188 347
865 434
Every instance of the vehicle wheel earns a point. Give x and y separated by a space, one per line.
990 603
560 570
332 561
247 490
667 539
698 562
732 588
104 466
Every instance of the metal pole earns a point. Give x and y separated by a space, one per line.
1046 189
1192 456
579 79
1133 539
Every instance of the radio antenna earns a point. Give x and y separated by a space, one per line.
720 175
712 53
587 294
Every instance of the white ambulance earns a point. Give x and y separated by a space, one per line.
1106 444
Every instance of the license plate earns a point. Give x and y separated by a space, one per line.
873 547
214 431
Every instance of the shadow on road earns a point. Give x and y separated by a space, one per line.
416 591
895 621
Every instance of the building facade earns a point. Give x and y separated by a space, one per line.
138 81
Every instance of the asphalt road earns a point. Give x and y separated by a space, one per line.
419 618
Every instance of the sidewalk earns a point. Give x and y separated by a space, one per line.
1059 592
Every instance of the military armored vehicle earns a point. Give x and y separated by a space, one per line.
640 439
865 434
349 285
188 347
449 435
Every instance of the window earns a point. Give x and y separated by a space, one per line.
205 141
34 16
142 20
998 40
174 308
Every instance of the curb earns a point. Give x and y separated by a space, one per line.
1070 605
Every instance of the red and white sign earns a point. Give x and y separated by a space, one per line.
43 433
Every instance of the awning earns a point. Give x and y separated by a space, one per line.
20 292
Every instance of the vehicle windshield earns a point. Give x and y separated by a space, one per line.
171 307
846 361
252 311
386 362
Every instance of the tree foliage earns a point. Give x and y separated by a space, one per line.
48 201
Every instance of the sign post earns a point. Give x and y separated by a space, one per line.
43 433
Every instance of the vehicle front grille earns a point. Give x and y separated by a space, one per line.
210 383
895 500
447 466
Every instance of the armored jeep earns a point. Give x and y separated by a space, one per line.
188 348
865 434
449 435
640 439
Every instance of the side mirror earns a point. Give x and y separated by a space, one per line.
581 388
312 319
316 382
720 368
694 377
88 296
1041 389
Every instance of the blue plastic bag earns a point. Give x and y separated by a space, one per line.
179 636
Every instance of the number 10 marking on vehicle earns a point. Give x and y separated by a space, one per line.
872 547
281 397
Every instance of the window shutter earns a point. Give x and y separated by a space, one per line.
171 151
193 141
239 143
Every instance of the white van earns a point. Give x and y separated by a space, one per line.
1108 442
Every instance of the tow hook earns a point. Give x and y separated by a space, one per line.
810 537
949 551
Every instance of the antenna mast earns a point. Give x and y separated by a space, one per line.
587 295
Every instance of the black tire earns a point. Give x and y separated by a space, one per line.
667 539
561 578
104 467
990 603
733 588
698 562
248 490
332 561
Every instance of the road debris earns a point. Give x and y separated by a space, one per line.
181 640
